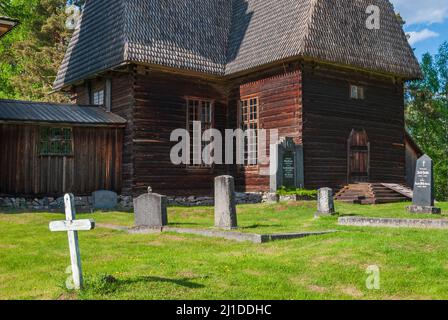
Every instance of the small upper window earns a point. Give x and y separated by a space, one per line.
98 98
56 141
357 92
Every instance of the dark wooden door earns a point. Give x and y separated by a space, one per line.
358 157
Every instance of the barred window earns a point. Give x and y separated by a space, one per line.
56 141
198 111
249 123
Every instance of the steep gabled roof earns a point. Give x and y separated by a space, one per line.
27 111
224 37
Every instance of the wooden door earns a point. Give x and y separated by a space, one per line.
358 157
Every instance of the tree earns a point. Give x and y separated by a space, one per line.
30 56
427 114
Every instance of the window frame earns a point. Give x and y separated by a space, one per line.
94 97
63 140
241 124
360 92
200 100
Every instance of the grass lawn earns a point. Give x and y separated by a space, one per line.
413 263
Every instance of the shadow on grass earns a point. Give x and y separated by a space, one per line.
258 225
183 282
180 224
105 284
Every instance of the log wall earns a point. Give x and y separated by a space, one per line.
95 164
330 115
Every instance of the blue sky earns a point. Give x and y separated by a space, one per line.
426 22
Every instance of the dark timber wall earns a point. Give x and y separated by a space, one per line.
95 164
122 105
279 92
160 107
309 102
329 115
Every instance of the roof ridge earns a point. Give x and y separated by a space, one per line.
312 11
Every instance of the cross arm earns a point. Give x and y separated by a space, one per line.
73 225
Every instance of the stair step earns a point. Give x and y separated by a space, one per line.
372 193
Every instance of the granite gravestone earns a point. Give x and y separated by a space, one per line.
151 210
104 200
225 204
325 203
423 198
286 165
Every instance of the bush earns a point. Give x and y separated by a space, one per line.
283 191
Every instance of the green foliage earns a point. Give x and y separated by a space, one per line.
30 55
283 191
427 114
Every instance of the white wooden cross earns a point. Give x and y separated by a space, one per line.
72 227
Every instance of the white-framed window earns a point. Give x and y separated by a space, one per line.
356 92
249 108
199 110
98 98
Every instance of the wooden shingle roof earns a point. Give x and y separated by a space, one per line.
224 37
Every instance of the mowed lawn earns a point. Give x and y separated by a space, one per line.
413 263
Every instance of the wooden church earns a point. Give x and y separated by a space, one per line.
310 68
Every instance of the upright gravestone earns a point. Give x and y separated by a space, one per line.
423 199
104 200
325 203
286 161
151 210
225 208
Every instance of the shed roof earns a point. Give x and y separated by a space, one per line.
25 111
224 37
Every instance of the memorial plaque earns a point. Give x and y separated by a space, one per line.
286 165
288 170
423 186
423 199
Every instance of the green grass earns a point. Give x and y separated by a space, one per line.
117 265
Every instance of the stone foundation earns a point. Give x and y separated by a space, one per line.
84 203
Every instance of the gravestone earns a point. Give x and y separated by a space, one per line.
225 208
151 210
286 161
104 200
325 203
72 226
423 198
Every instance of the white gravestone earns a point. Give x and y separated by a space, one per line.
72 226
325 203
225 203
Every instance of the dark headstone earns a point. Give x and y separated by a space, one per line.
286 165
225 208
151 210
423 198
104 200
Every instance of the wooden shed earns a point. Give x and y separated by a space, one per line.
49 149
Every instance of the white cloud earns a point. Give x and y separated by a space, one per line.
417 36
422 11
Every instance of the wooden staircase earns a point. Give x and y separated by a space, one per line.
373 193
